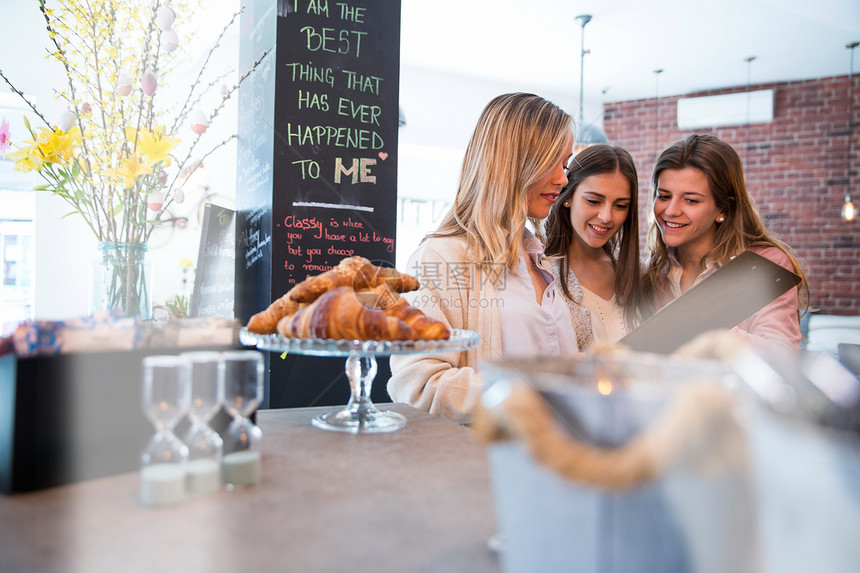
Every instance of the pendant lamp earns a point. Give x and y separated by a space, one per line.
590 134
849 212
657 73
749 60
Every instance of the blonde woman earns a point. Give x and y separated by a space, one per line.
480 270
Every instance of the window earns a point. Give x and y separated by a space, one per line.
17 252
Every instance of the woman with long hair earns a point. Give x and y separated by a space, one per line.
703 217
592 245
480 270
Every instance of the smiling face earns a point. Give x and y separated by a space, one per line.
685 211
598 208
544 192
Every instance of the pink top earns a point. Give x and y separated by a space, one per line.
777 322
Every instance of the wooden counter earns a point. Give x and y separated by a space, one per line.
415 500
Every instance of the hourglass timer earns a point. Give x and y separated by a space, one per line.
166 399
243 392
206 376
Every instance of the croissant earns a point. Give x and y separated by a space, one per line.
381 297
339 314
427 328
397 281
266 321
357 272
394 305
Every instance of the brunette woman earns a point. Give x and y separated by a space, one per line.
593 244
703 217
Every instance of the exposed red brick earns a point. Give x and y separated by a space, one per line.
796 169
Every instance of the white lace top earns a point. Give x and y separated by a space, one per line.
607 317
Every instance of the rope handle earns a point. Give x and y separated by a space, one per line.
698 429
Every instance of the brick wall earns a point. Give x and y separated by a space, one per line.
795 167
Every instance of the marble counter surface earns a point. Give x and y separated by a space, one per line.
415 500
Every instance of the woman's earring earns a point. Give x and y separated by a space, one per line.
721 218
567 203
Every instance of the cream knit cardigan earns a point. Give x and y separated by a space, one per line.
459 294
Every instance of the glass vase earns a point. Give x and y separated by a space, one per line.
122 280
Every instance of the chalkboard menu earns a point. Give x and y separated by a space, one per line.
336 124
213 280
318 142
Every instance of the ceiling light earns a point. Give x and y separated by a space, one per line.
849 213
657 73
592 133
749 60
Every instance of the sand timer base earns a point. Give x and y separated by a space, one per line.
360 420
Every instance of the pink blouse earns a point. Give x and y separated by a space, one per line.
776 322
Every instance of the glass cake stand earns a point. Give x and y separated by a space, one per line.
360 415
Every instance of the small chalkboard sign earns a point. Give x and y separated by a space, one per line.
214 290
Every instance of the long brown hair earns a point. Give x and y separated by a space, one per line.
742 229
519 138
623 247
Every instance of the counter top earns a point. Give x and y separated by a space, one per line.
415 500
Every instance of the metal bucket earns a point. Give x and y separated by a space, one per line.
687 520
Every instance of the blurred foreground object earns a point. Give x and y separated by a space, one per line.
807 385
637 462
105 331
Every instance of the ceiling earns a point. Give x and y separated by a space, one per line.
699 45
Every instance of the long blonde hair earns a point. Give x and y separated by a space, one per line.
518 139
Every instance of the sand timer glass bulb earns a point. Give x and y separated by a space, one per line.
206 378
165 400
243 393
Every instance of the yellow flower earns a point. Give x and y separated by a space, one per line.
131 168
27 158
57 145
46 147
186 263
68 142
153 145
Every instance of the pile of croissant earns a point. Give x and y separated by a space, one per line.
356 300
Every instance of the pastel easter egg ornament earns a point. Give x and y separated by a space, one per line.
148 82
198 122
179 196
169 40
67 120
164 18
156 200
86 108
123 84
